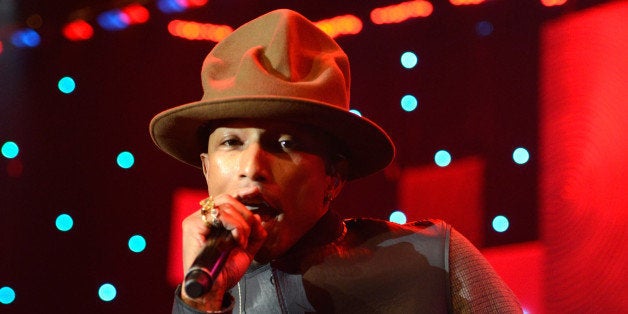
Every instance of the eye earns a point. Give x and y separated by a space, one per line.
289 143
231 142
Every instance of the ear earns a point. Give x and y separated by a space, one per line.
204 160
337 185
338 177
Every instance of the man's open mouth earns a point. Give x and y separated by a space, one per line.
263 209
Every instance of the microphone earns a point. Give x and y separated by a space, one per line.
208 264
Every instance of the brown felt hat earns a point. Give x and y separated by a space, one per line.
277 66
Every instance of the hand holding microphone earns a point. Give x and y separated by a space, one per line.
210 261
215 252
208 264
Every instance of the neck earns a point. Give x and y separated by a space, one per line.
329 229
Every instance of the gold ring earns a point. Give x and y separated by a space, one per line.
207 207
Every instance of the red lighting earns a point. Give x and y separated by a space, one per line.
198 31
583 74
553 3
340 25
0 47
195 3
466 2
136 13
398 13
78 30
184 202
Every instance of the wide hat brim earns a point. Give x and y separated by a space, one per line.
369 149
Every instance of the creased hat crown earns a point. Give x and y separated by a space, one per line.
283 55
277 66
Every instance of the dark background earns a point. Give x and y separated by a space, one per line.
477 97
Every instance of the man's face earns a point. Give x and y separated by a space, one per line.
279 163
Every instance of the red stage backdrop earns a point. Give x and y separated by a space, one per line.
584 163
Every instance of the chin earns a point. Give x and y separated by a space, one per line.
272 248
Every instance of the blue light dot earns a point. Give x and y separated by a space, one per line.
107 292
409 60
66 85
25 38
113 20
137 243
521 155
64 222
10 150
125 160
409 103
484 28
356 112
500 223
442 158
7 295
170 6
398 217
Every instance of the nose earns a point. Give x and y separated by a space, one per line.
255 163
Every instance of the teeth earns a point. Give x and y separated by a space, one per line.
259 206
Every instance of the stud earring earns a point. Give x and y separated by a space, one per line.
329 196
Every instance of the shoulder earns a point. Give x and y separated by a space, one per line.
371 225
420 241
428 232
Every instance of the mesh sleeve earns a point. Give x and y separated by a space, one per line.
475 286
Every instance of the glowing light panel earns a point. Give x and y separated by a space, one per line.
409 59
466 2
25 38
401 12
10 150
500 223
176 6
340 25
198 31
78 30
170 6
484 28
398 217
442 158
66 85
553 3
355 112
125 160
136 13
113 20
521 155
409 103
7 295
196 3
64 222
137 243
107 292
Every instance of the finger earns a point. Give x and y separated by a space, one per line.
234 221
237 221
258 234
249 216
194 237
246 226
236 204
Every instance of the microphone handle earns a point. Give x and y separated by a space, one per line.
208 264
